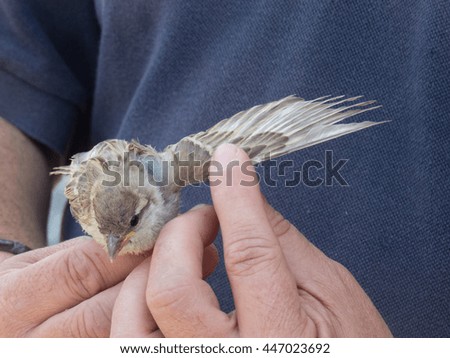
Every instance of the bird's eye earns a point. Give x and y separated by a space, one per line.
134 220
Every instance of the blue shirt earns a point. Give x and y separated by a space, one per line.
73 73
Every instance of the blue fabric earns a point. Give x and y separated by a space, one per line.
159 70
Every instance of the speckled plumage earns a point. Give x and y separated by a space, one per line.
106 212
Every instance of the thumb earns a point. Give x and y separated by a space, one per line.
263 287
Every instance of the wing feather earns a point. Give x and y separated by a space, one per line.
271 130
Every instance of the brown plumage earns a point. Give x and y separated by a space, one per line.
125 216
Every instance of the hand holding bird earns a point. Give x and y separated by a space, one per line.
127 216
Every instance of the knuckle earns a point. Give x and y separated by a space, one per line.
280 225
249 253
172 299
344 277
334 283
177 224
91 323
78 327
82 272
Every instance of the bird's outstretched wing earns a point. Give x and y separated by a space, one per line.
270 130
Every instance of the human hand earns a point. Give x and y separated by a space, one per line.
66 290
131 316
282 285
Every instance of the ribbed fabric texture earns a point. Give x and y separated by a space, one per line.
159 70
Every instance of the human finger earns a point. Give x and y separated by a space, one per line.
264 289
131 316
63 280
181 302
88 319
30 257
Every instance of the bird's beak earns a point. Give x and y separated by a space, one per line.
114 244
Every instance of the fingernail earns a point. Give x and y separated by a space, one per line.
226 153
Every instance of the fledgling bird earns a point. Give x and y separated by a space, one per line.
122 193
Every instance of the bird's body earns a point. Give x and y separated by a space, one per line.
122 193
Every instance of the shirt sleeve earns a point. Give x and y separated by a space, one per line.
48 51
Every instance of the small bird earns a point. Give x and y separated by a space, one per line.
122 193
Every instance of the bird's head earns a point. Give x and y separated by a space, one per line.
129 219
119 213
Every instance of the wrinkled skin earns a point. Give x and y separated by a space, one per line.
282 285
